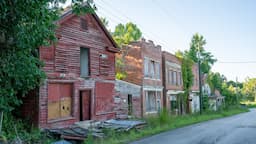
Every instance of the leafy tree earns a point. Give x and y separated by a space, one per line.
25 25
123 35
187 76
230 89
249 89
104 21
231 94
215 81
197 46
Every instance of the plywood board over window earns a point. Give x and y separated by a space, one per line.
59 100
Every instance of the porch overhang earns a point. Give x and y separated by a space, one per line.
174 92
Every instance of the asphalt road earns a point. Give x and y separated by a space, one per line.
238 129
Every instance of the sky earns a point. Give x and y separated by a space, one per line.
229 27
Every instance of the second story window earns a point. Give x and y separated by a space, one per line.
170 76
84 62
174 78
83 24
179 80
151 69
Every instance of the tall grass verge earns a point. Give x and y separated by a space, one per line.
164 122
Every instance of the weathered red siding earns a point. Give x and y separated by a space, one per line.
62 66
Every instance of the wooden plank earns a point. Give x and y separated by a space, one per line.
65 106
53 110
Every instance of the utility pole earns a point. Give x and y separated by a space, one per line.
200 86
200 81
236 92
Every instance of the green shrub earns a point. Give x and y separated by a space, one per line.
14 129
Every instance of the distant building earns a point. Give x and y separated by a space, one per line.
172 82
143 65
216 100
194 94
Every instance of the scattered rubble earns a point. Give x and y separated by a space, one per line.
81 130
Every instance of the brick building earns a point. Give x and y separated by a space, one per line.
172 82
80 70
128 99
194 94
143 62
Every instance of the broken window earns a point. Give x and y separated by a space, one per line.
174 78
151 68
157 68
181 82
179 79
173 103
84 62
151 98
83 24
146 68
170 77
153 101
59 100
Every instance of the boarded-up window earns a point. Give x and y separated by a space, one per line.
84 62
59 100
83 24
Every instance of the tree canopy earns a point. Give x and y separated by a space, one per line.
187 76
215 81
25 25
249 89
124 34
197 46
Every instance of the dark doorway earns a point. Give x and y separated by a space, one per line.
85 105
129 104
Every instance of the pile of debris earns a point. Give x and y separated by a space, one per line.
81 130
122 125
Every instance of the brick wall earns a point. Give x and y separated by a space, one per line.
123 89
170 63
195 86
133 63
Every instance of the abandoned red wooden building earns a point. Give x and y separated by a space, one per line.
80 70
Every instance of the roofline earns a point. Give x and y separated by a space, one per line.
105 30
70 14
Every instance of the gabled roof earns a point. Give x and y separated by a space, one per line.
69 14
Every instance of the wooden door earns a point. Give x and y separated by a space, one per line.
85 105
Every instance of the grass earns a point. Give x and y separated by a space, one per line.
165 122
14 129
249 104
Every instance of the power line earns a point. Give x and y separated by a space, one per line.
169 15
147 34
125 16
237 62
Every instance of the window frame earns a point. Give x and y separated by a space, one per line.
88 56
152 69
